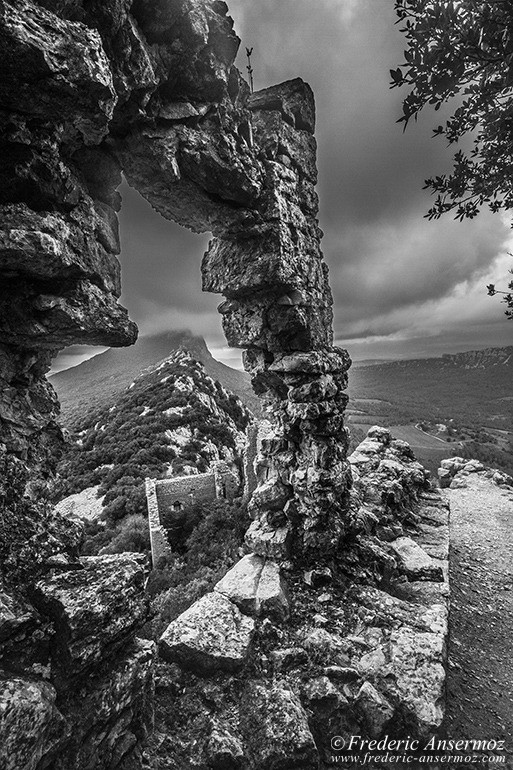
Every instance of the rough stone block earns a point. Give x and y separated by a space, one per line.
272 596
212 635
293 98
240 584
65 70
106 596
415 677
276 728
414 561
375 708
268 541
30 723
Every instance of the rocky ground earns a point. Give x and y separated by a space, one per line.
480 678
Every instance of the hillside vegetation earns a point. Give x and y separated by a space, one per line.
84 390
173 419
467 394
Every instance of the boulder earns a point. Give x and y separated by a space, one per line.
240 584
30 723
264 540
414 561
224 748
276 729
256 587
212 635
288 658
375 709
272 597
94 609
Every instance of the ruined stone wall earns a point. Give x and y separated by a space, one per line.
147 87
186 490
158 538
163 494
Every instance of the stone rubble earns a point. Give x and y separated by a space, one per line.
377 663
454 470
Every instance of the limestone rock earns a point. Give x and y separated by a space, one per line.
294 99
276 729
415 677
210 636
288 658
116 712
414 561
224 749
325 648
445 477
272 596
30 723
321 693
376 710
268 541
106 595
240 584
65 70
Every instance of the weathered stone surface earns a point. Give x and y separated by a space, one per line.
415 677
225 750
256 587
267 541
240 584
210 636
31 726
64 70
272 596
113 715
294 99
413 559
276 729
106 595
290 657
321 693
376 710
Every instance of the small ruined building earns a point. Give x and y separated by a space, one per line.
167 495
174 494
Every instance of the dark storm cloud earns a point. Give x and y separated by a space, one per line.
395 276
402 285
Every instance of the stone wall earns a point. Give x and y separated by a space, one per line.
158 537
289 663
163 494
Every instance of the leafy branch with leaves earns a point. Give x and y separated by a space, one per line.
462 51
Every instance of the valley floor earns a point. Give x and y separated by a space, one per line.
480 678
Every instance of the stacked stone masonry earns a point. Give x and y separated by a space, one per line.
148 88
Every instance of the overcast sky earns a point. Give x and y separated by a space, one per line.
403 286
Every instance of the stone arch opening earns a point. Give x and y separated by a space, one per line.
205 153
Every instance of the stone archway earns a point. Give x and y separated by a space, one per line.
212 157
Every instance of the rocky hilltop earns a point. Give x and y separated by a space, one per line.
95 383
172 420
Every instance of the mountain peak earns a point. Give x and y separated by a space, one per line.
93 384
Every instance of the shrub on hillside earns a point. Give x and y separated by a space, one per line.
209 551
132 535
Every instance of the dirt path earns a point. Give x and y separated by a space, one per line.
480 681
